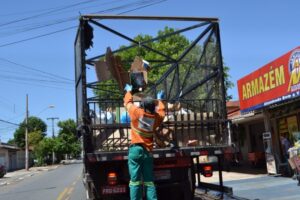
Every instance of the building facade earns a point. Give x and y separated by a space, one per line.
12 157
270 110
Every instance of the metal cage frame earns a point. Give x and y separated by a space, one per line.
81 61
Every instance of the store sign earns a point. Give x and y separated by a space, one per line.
275 82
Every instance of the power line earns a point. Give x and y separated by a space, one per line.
34 80
35 26
1 120
38 36
40 85
65 29
44 13
17 31
141 7
37 70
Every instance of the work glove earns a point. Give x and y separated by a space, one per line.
160 95
128 88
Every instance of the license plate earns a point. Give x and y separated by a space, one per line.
162 175
116 189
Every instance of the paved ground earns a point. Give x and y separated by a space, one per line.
256 184
48 183
250 184
19 175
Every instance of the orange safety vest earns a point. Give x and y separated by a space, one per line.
143 124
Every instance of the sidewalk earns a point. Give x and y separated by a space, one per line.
257 184
18 175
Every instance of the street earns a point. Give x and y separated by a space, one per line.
62 183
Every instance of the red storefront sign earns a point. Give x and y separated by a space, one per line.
277 81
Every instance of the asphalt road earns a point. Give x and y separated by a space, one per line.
63 183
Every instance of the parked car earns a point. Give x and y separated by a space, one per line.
2 170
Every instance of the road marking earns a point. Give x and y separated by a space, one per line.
66 193
70 191
61 195
74 182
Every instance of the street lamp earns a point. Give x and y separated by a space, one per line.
49 106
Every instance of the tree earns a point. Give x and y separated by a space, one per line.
43 150
34 138
35 124
66 141
11 141
228 83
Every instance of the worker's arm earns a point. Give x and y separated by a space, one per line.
128 100
128 103
160 105
161 109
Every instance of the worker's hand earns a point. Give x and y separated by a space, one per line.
160 95
128 88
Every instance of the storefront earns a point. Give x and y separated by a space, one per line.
274 91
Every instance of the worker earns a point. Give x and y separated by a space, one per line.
144 121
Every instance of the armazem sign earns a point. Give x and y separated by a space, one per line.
277 81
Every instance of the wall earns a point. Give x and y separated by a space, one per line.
4 157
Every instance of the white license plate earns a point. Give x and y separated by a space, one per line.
162 175
116 189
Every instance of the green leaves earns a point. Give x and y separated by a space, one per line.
35 124
66 143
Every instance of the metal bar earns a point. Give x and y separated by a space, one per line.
87 138
198 171
171 86
220 175
199 83
177 79
152 40
205 46
128 17
221 68
198 63
184 53
131 40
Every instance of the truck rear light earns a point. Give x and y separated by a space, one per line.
207 171
112 178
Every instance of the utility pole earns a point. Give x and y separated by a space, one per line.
53 118
26 136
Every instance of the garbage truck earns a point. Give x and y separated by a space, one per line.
190 142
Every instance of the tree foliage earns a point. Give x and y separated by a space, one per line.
173 46
34 138
66 143
43 150
35 124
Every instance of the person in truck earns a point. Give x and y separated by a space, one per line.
144 121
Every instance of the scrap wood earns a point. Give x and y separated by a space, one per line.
116 68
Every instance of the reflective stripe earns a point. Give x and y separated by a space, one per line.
134 183
146 135
149 183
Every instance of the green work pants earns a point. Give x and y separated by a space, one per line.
140 164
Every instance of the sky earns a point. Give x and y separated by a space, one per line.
37 45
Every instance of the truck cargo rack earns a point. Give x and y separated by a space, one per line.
193 80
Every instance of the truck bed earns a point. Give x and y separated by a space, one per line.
196 125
